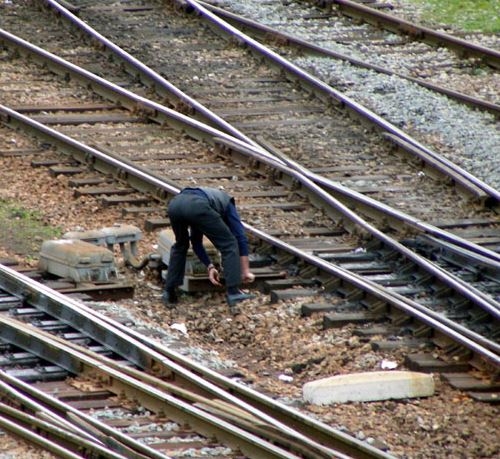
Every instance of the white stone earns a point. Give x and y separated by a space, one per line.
368 386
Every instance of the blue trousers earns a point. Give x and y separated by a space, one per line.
190 210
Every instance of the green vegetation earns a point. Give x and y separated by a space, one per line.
22 230
467 15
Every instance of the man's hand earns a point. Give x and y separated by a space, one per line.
248 277
213 276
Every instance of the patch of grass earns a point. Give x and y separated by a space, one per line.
23 230
467 15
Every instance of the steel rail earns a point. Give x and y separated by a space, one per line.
50 348
487 349
60 434
207 375
107 87
170 360
37 439
83 319
114 92
386 209
349 7
263 402
70 144
14 396
463 253
178 118
491 307
37 400
237 415
462 177
188 124
304 424
270 32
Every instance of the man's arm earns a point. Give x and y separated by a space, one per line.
201 253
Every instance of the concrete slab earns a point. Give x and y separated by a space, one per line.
368 386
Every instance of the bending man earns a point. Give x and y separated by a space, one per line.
210 212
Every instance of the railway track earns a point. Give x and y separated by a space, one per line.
307 132
402 48
424 105
234 166
104 357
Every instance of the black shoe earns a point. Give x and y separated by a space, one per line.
234 298
169 298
